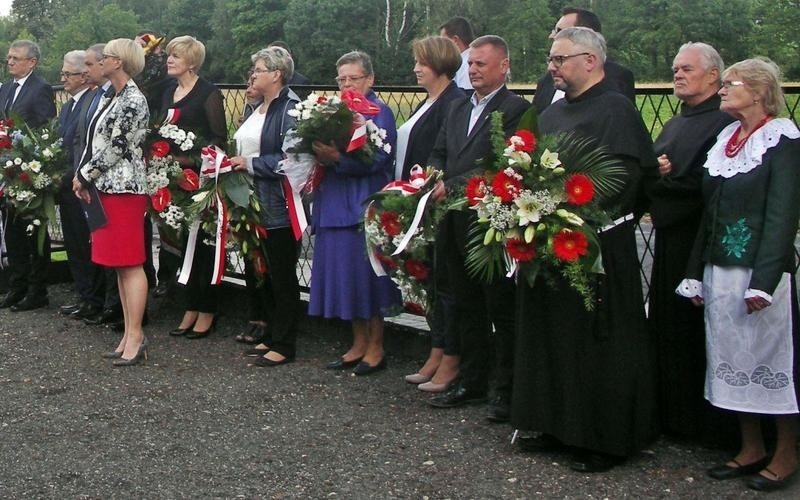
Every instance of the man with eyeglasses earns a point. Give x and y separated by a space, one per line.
586 379
74 228
29 98
620 77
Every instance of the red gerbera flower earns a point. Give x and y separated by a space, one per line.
579 189
506 186
570 245
417 269
5 141
528 141
475 190
519 250
24 178
390 222
189 180
160 200
159 149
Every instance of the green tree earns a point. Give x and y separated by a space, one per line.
775 33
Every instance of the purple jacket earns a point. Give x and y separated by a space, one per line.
339 199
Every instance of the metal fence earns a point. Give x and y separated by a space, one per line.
655 103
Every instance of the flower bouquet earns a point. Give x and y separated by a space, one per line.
538 208
344 121
32 166
169 185
400 227
225 206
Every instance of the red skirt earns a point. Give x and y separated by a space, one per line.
120 243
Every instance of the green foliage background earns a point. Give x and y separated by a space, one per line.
642 34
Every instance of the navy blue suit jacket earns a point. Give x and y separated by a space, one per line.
35 103
68 130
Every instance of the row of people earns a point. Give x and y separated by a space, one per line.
561 372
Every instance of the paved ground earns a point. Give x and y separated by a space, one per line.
196 421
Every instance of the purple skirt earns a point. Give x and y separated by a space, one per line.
343 284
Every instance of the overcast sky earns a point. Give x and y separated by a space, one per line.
5 7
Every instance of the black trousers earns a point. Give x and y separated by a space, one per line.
27 268
278 300
200 294
87 276
477 307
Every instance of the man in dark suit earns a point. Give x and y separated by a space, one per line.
73 220
29 98
619 77
463 140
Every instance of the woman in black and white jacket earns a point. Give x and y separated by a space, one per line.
112 174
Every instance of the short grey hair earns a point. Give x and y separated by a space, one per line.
495 41
276 59
97 49
76 59
708 54
357 57
32 48
587 38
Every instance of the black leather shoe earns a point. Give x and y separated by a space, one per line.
543 443
341 364
363 368
594 462
262 361
763 483
725 471
499 410
30 303
105 317
457 395
69 309
11 299
85 311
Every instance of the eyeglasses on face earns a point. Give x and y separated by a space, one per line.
67 74
558 61
732 83
258 71
341 80
17 59
106 56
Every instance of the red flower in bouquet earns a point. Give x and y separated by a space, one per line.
159 149
579 189
414 308
570 245
390 222
357 103
519 250
476 189
161 199
417 269
259 262
189 180
506 186
387 261
528 143
5 141
24 178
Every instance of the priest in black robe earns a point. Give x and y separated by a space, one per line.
586 379
676 208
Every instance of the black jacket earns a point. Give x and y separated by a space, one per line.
619 78
35 103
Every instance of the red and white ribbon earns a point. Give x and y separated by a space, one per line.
297 214
215 162
359 135
173 114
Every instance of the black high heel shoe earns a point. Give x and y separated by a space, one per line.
194 334
141 353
